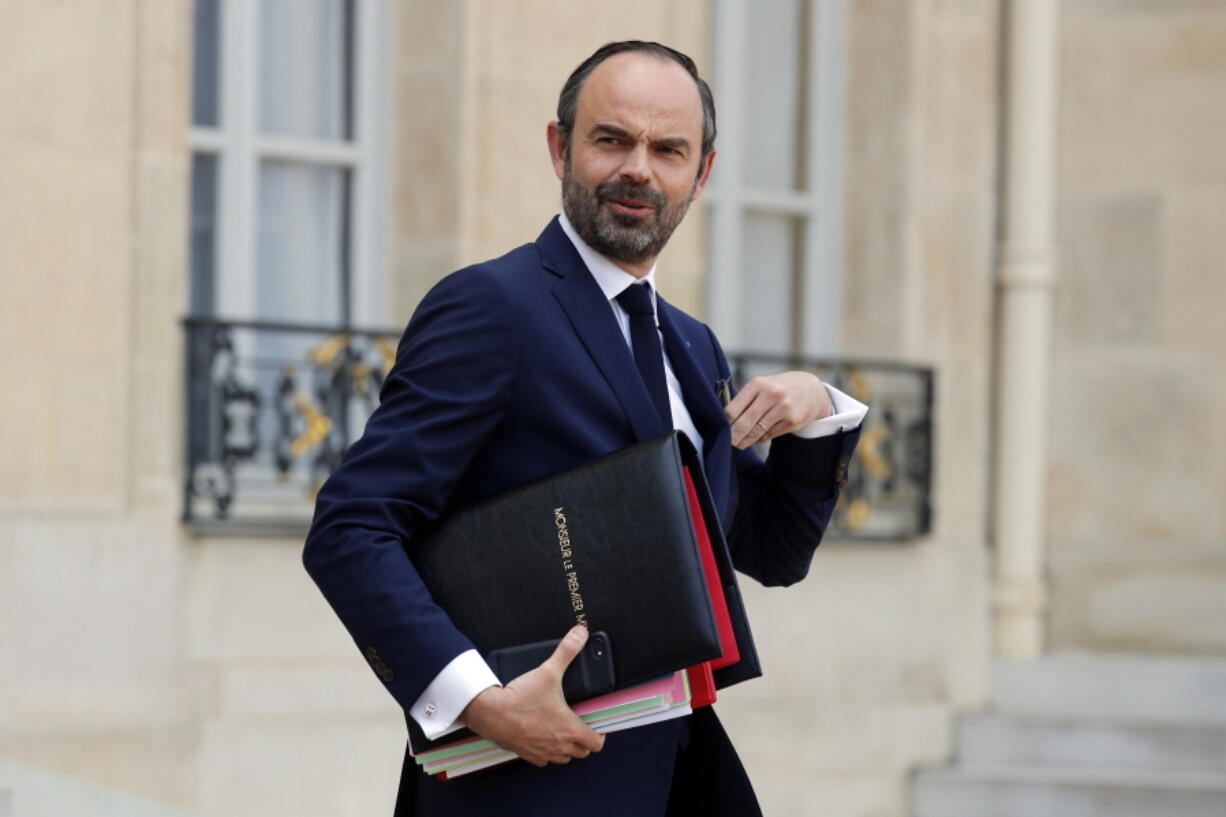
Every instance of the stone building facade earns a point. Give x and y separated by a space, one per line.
201 672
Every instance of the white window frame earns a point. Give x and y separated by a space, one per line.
240 148
818 204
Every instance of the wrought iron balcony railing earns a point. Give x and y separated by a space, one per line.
271 408
887 496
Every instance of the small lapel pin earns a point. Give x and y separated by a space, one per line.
724 390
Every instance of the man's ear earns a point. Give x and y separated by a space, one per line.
557 148
704 173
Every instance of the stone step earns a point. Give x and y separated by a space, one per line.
34 792
1115 687
1018 791
995 740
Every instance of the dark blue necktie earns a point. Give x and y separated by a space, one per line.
645 338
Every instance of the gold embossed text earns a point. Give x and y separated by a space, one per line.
567 552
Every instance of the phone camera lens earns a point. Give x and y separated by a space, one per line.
598 647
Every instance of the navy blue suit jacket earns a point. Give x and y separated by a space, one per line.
508 371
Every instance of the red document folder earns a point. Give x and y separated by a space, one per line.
702 685
702 681
719 604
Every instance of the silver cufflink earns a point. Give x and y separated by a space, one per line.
430 710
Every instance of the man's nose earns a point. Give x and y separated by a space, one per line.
636 167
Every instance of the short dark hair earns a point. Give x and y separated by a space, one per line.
568 100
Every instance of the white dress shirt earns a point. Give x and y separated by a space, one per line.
438 708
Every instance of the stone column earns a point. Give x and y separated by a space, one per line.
1025 282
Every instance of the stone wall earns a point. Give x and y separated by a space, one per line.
208 674
92 276
867 658
1137 481
479 80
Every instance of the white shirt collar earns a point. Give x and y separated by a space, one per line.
611 278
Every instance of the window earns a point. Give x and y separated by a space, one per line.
775 254
288 170
288 204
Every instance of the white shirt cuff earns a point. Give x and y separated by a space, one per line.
848 413
438 709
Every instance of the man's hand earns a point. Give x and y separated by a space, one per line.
529 716
774 405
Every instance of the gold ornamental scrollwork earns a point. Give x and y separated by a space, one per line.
318 426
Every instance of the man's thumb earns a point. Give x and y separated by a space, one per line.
570 646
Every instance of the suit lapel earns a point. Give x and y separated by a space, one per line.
698 390
592 318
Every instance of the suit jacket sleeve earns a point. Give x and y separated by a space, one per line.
785 503
449 388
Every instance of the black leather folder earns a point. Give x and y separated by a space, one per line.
610 544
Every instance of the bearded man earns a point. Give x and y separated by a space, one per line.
533 363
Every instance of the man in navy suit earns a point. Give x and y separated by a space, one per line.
552 355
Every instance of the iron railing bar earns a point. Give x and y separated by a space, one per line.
196 321
737 358
251 467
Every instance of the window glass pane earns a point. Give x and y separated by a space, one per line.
770 267
300 278
204 234
303 243
306 67
206 60
775 35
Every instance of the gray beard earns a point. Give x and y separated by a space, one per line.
629 239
